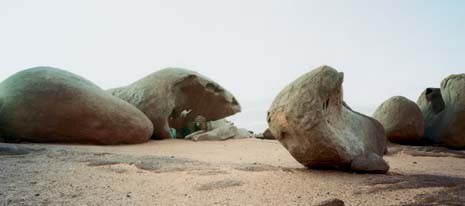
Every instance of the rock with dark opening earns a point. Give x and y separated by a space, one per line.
165 94
312 122
45 104
444 112
402 120
431 105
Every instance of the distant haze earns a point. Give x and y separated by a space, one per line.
252 48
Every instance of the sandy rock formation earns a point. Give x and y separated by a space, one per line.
165 94
402 120
45 104
312 122
444 112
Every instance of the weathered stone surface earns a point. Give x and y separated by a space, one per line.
45 104
402 120
311 121
170 91
444 112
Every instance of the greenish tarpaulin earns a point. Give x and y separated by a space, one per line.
173 133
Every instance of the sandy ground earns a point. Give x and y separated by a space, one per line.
233 172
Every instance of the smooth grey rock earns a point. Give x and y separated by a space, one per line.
402 120
220 130
444 112
170 91
243 133
218 123
45 104
311 121
222 133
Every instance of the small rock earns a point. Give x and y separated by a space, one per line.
268 135
331 202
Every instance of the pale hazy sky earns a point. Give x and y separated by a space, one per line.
252 48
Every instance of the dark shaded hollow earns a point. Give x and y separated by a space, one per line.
429 90
434 96
283 135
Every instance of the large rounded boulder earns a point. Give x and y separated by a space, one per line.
401 119
444 112
164 95
318 129
45 104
